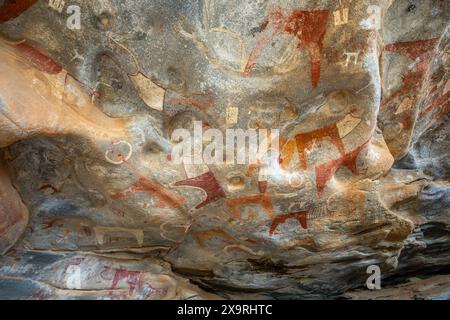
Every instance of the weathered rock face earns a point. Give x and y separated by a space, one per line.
93 205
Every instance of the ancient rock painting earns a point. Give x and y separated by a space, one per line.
419 52
241 230
260 199
441 103
308 26
208 183
313 212
324 172
67 228
13 8
13 213
201 236
301 217
304 142
202 103
132 279
39 59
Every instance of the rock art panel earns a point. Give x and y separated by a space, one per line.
355 96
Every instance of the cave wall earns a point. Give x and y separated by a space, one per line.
92 204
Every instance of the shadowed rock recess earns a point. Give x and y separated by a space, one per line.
93 205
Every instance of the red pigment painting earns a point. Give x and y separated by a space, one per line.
48 186
201 236
262 199
304 141
11 9
301 217
50 223
325 172
201 102
417 51
442 102
308 26
208 183
132 278
39 59
262 185
167 199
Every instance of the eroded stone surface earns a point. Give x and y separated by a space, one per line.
86 122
